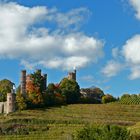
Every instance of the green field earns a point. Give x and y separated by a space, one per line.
60 123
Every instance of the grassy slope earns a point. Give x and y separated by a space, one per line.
65 120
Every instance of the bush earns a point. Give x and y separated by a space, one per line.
108 132
108 98
15 129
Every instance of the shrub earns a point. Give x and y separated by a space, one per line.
108 132
108 98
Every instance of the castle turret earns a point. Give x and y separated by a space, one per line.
10 102
44 81
72 75
75 74
23 82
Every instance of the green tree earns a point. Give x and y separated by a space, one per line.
51 88
125 96
20 100
108 98
38 80
70 89
53 95
5 87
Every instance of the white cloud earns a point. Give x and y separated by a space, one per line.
20 38
130 59
131 50
88 78
135 72
28 65
136 6
71 19
112 68
131 53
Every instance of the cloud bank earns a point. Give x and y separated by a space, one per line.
25 36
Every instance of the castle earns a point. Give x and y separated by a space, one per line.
10 105
26 79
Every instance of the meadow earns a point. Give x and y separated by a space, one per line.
61 123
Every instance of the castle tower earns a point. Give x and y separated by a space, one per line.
23 82
44 81
75 74
10 102
72 75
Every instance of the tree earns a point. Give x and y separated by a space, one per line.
38 80
35 90
70 89
108 98
5 87
20 100
53 95
125 96
51 88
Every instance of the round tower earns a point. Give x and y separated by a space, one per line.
44 81
10 102
23 82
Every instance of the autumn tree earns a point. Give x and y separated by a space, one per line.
35 90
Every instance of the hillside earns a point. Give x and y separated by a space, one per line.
59 123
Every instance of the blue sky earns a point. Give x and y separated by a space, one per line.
100 38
